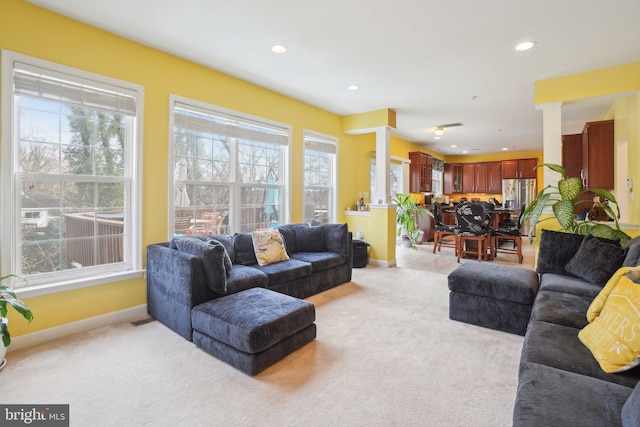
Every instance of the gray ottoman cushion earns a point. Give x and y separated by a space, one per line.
493 296
253 329
253 320
495 281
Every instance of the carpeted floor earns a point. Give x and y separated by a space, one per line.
386 355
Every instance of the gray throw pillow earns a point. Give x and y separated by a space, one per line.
310 239
243 248
633 256
214 261
556 250
596 260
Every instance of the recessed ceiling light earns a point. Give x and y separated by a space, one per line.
278 48
525 45
465 152
353 87
437 137
504 149
453 146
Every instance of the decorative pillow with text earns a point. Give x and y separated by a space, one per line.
613 337
269 247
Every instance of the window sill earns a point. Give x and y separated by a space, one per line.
357 213
47 289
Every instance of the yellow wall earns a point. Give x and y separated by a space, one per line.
30 30
625 111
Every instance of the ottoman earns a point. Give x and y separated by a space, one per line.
494 296
253 329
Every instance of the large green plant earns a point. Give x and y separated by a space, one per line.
562 200
8 297
407 217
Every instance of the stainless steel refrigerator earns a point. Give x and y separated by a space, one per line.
515 193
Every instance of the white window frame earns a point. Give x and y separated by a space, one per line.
234 211
328 144
47 283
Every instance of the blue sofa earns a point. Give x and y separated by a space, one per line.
179 278
560 382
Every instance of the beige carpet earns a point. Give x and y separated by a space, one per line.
386 355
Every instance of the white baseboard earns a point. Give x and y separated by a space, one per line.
385 264
123 316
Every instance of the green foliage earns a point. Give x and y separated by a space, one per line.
562 200
407 217
9 298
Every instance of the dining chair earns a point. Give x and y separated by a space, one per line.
472 227
509 234
442 230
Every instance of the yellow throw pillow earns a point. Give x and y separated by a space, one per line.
598 302
268 246
614 335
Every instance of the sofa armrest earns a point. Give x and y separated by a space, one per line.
175 284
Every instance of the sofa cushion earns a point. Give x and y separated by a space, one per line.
596 260
320 260
631 409
561 308
289 238
614 335
268 246
559 347
556 249
243 247
573 285
213 257
310 239
555 397
243 277
285 271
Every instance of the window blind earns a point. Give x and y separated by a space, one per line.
199 120
31 80
319 143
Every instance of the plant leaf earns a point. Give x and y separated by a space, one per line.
554 167
570 188
563 210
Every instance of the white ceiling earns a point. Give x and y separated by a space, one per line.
432 61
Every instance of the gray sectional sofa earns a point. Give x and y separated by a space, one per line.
189 271
560 381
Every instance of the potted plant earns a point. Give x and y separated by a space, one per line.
407 218
562 200
8 297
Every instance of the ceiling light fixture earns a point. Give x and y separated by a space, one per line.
505 149
353 87
437 137
278 48
525 45
439 131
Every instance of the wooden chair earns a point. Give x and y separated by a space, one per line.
509 234
472 228
442 230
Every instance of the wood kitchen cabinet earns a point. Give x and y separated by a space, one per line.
598 155
494 177
572 162
420 178
572 154
519 168
452 178
474 177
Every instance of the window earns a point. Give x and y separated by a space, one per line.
395 178
228 170
70 170
319 198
